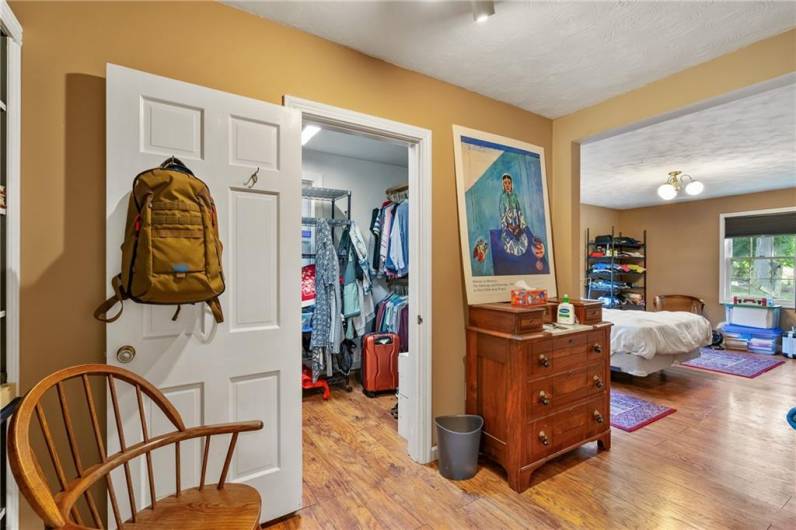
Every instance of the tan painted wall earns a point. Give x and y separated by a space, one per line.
65 50
762 61
600 221
683 242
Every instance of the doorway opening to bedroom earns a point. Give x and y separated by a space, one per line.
655 197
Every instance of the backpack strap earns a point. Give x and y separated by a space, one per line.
215 307
101 313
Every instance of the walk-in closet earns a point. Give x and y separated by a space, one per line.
354 279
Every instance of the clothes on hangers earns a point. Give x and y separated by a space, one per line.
392 316
390 229
398 255
327 324
358 307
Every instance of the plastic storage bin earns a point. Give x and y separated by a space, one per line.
755 340
789 344
753 316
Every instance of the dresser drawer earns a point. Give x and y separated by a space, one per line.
597 349
566 428
540 358
548 395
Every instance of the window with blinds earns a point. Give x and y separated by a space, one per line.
759 256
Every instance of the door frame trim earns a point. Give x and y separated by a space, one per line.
418 141
13 139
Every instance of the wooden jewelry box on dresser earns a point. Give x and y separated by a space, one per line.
541 394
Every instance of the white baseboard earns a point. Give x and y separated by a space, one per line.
434 454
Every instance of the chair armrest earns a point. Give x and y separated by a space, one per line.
67 498
220 428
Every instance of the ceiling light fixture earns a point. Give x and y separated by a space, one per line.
678 182
482 10
308 133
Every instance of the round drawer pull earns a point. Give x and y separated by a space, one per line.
543 438
597 347
598 417
544 398
544 361
598 382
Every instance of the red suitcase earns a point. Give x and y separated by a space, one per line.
380 362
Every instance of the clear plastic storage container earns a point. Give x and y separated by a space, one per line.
753 316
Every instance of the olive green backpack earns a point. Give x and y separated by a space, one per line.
171 253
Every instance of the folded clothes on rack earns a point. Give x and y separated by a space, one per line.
606 240
608 285
619 267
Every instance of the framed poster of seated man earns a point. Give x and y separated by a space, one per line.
504 215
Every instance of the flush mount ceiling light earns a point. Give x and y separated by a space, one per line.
308 132
482 10
678 182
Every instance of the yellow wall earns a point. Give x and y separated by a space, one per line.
600 221
66 47
683 242
756 63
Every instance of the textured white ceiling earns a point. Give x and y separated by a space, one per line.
743 146
551 58
361 147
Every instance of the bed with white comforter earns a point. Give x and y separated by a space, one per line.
644 342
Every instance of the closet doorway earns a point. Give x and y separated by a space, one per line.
366 185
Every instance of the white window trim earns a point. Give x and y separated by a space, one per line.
724 296
13 29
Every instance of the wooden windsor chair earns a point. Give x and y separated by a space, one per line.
219 506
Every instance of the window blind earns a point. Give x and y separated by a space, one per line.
760 225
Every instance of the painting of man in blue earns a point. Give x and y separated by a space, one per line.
505 208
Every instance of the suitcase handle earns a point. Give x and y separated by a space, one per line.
383 340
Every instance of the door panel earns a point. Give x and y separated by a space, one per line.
249 366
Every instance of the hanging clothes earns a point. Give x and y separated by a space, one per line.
398 254
327 325
390 229
392 316
364 281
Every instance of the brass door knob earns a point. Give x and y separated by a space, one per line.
598 417
597 347
543 438
544 398
125 354
598 382
544 361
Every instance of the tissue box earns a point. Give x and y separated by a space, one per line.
528 296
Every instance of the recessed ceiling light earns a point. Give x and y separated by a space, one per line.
482 10
308 133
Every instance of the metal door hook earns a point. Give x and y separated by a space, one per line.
252 180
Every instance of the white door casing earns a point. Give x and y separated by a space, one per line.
415 366
249 366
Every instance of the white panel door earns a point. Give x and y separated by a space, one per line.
249 366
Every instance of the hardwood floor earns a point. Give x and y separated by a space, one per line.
725 459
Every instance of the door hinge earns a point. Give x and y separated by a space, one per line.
419 320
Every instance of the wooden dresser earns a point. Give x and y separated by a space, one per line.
540 394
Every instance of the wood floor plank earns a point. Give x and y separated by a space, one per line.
725 459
